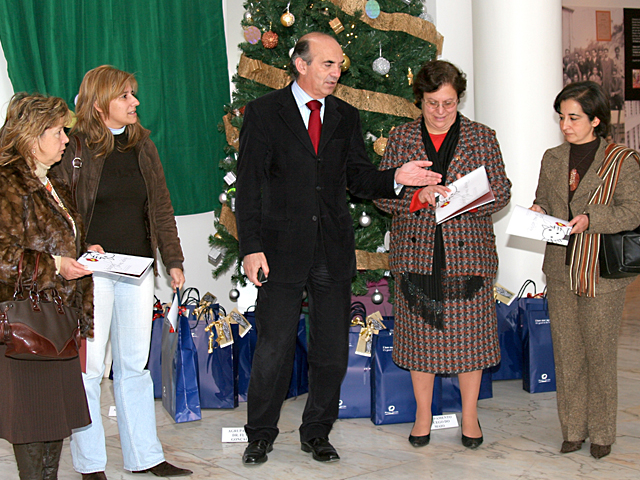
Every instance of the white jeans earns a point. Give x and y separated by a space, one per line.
125 310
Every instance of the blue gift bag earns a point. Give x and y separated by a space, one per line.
538 370
392 398
154 365
510 366
180 394
300 375
217 376
451 398
355 393
243 354
510 335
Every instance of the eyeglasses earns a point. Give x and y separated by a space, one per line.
448 105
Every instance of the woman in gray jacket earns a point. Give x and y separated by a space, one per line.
585 309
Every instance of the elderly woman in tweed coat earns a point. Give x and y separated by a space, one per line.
585 311
445 313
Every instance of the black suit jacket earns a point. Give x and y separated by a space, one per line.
287 195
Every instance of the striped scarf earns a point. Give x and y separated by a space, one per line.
584 264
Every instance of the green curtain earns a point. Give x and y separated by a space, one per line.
176 48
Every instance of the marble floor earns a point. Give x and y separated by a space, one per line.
521 431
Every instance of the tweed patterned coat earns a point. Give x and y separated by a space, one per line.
41 400
469 340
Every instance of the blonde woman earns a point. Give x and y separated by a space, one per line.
122 196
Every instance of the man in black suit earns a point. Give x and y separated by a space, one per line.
294 225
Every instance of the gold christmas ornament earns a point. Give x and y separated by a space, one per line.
287 19
410 77
270 39
336 25
380 145
346 64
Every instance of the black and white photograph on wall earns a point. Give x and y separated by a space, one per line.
593 45
632 73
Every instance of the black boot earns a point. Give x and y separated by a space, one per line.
29 460
51 460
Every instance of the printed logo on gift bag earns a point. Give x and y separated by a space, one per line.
391 410
544 378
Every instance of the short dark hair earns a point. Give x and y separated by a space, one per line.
303 50
436 73
593 101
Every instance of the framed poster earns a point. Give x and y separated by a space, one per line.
603 25
632 53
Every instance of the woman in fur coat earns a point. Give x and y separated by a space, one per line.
42 400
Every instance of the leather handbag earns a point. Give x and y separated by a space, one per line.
620 254
38 326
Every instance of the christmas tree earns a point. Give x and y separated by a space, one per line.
384 43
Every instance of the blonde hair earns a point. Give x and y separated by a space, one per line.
98 88
28 117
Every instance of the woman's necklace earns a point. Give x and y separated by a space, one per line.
574 176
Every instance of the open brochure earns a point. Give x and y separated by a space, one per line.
469 192
116 263
529 224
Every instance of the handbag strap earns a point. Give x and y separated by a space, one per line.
77 165
17 292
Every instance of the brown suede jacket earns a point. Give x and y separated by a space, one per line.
161 222
32 222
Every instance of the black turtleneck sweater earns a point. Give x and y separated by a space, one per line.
119 220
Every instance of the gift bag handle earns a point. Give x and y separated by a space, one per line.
524 287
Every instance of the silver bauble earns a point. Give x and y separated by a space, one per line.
234 294
364 220
222 198
377 297
428 17
381 65
248 17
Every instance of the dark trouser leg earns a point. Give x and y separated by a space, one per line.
29 460
51 459
277 317
329 308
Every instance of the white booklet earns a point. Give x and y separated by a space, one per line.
116 263
529 224
469 192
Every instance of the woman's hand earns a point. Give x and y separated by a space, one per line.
579 223
428 194
177 278
537 209
95 248
71 269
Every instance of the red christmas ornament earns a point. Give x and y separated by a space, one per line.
270 39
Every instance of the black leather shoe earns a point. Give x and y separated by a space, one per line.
599 451
94 476
472 442
568 447
322 450
421 441
165 469
256 452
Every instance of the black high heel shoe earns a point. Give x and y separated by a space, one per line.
419 441
472 442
